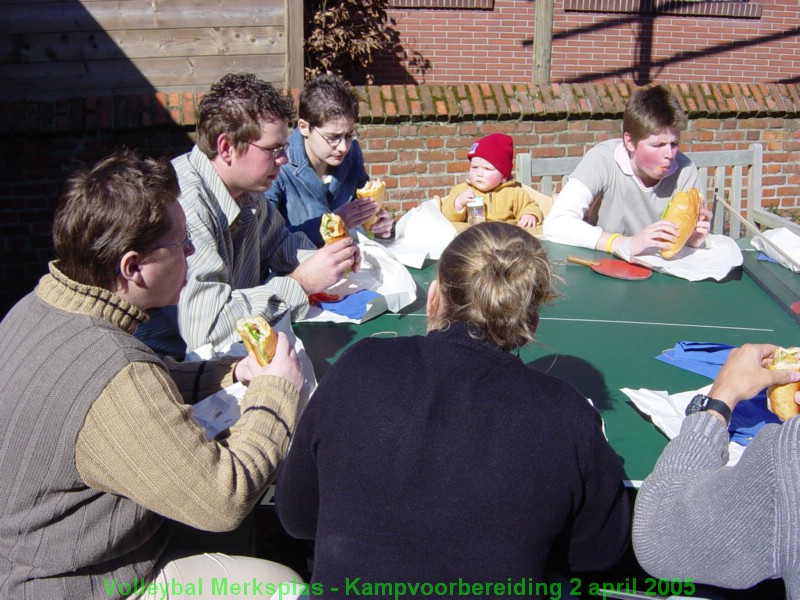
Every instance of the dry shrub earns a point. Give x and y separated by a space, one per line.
343 37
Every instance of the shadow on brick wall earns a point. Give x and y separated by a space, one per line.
398 63
70 96
645 69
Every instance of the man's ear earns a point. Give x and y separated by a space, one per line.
630 145
304 127
225 148
130 268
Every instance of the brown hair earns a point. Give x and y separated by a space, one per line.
496 276
325 98
651 109
118 205
238 105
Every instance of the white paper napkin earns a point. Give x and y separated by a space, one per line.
422 233
668 411
715 261
219 411
783 239
380 272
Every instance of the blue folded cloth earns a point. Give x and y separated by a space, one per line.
749 417
703 358
707 358
353 306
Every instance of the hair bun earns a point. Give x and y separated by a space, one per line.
496 276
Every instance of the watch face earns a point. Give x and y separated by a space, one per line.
696 404
701 402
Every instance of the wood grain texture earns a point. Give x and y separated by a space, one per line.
67 48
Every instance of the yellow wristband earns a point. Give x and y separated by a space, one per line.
611 241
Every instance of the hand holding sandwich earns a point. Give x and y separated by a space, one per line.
357 212
371 196
284 364
745 374
382 227
662 234
327 265
701 230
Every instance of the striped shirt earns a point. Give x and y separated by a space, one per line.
239 244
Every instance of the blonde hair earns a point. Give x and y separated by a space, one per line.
495 276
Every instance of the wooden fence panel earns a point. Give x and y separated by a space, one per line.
68 48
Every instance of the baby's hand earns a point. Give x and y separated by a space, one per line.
463 198
527 221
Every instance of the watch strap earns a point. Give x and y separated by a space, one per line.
702 402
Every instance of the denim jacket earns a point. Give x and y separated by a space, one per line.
302 198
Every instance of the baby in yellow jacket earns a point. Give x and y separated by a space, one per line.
489 178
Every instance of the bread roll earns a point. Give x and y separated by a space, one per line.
780 398
375 189
332 228
684 211
258 337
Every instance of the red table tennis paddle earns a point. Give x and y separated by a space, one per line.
613 268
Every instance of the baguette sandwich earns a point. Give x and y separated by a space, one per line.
332 228
375 189
258 338
684 211
780 398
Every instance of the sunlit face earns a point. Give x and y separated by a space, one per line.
482 174
330 142
166 265
652 157
255 168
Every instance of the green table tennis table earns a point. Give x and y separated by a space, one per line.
603 334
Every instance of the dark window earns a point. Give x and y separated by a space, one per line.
697 8
451 4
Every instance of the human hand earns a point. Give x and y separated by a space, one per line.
284 364
527 221
744 374
701 230
245 367
660 234
383 226
356 212
463 199
327 265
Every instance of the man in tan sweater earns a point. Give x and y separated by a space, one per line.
98 448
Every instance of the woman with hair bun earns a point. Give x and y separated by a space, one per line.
468 468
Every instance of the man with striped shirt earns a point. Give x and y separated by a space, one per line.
246 261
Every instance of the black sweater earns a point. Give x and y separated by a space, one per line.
443 460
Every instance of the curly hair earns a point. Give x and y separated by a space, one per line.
495 276
325 98
118 205
651 109
238 105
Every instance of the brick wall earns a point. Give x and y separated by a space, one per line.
465 46
415 138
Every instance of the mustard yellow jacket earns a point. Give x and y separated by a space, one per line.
507 202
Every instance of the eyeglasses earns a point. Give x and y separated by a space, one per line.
187 244
334 141
274 152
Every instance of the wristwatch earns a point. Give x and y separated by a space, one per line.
701 402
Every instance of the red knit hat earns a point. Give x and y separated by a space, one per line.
498 149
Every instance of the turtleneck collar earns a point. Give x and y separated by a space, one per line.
62 292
